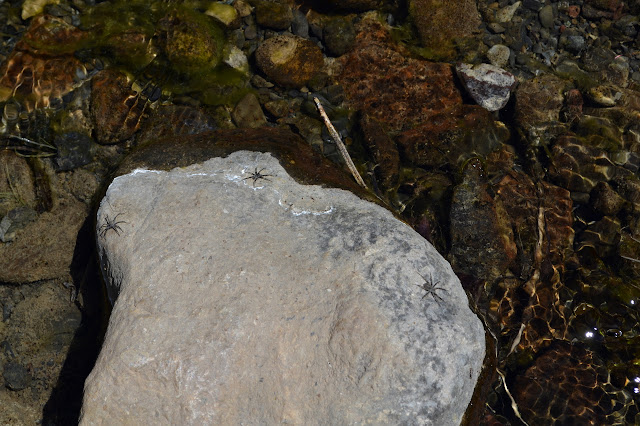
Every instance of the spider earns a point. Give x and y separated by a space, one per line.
430 287
256 175
110 224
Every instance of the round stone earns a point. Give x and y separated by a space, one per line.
288 60
498 55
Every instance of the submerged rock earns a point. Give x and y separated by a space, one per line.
262 300
438 31
487 84
289 60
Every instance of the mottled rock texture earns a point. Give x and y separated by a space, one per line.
289 60
442 24
242 296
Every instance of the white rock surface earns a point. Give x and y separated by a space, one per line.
488 85
264 302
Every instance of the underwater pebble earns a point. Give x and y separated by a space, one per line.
506 13
16 377
299 24
546 16
288 60
339 36
605 96
488 85
498 55
16 219
248 112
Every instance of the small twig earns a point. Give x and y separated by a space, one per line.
30 146
341 147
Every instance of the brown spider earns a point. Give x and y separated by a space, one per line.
256 175
430 287
110 224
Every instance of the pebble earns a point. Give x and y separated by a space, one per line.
498 55
299 24
546 16
15 220
339 36
506 13
275 16
488 85
16 377
248 113
289 61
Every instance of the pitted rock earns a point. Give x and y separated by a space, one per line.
242 296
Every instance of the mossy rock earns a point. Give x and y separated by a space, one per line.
192 42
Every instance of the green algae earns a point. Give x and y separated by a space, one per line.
176 46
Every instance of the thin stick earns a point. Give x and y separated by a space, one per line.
343 150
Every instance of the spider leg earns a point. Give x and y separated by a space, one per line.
437 298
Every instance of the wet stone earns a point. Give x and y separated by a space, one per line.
248 112
116 109
299 24
498 55
360 327
479 224
339 36
577 167
566 382
191 41
289 60
599 239
175 120
16 377
605 200
273 15
488 85
74 150
383 151
15 220
539 100
547 16
415 91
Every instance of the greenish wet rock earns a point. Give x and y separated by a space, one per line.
437 30
226 14
272 15
191 41
339 35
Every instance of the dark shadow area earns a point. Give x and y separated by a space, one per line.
63 408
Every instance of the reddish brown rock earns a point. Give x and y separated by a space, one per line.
420 105
414 91
115 108
524 201
51 35
383 151
41 68
565 385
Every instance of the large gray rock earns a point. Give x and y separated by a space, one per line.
243 297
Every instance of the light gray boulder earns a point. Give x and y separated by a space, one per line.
243 297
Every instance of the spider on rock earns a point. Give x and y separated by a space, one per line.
431 288
110 224
257 175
